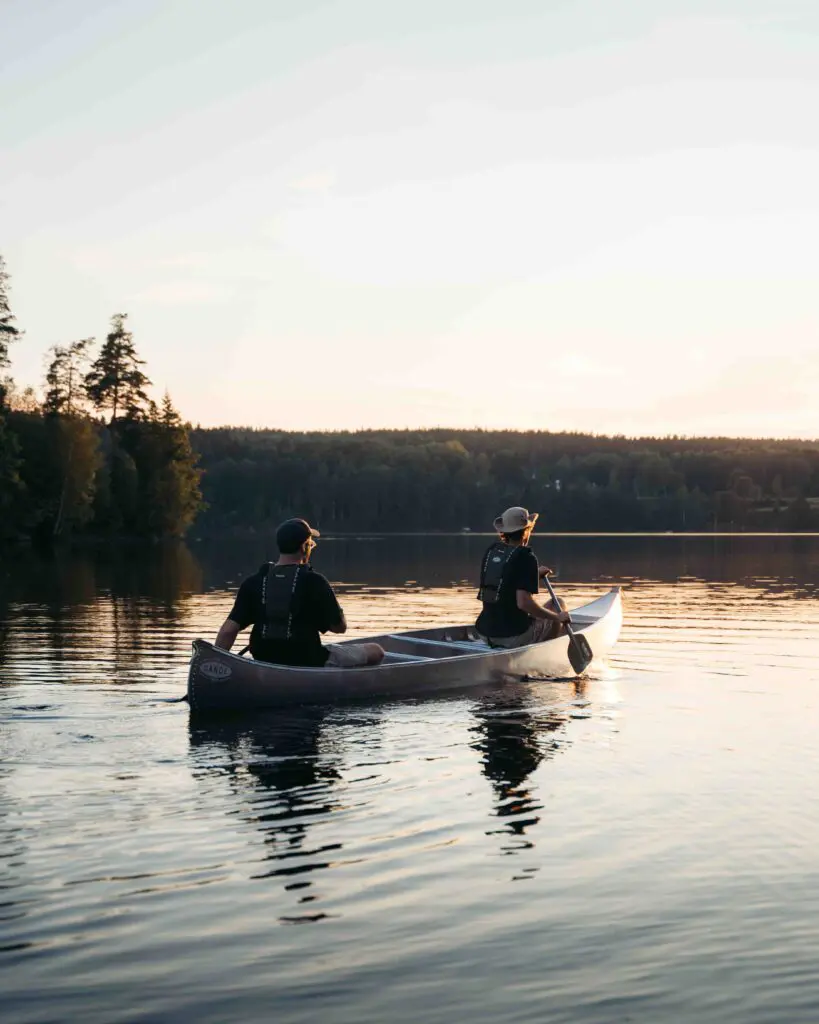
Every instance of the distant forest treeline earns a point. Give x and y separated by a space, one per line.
94 455
452 479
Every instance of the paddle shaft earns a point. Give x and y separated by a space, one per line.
550 588
580 653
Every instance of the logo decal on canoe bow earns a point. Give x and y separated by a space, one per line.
215 670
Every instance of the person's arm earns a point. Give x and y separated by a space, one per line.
241 614
340 625
527 603
327 609
226 637
528 575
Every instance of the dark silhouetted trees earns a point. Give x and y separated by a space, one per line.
115 380
10 483
65 378
9 332
63 472
417 480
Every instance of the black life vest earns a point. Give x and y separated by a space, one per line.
282 593
495 571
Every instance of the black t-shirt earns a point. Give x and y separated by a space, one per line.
316 612
504 618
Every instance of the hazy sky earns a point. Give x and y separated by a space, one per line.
598 215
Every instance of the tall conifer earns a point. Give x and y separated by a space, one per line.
9 448
115 380
8 331
65 378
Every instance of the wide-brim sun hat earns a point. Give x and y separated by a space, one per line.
514 519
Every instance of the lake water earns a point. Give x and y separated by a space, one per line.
638 846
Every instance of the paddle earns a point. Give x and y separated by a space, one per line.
580 653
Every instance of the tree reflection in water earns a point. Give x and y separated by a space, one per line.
514 737
283 781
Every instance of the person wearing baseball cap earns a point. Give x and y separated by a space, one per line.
510 575
289 604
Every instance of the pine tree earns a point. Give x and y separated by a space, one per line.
115 380
65 378
169 476
8 332
10 485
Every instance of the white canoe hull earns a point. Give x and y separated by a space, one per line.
418 663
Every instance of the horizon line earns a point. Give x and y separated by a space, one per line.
675 436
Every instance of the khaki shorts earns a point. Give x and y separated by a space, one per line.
538 631
346 656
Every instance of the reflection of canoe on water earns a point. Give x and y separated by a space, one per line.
418 663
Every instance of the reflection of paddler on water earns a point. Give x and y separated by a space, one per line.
511 740
276 753
289 605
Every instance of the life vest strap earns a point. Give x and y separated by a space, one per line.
279 600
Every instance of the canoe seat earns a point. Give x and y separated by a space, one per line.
440 648
393 657
468 645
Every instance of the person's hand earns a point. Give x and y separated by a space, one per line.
563 618
544 570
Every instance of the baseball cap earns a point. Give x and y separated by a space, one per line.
514 519
292 534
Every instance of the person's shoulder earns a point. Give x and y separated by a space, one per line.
317 580
527 557
254 579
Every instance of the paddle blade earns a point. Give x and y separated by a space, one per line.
580 653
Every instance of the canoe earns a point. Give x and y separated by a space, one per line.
418 663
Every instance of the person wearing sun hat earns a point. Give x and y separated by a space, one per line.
510 574
289 605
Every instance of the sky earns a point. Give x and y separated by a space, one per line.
536 214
